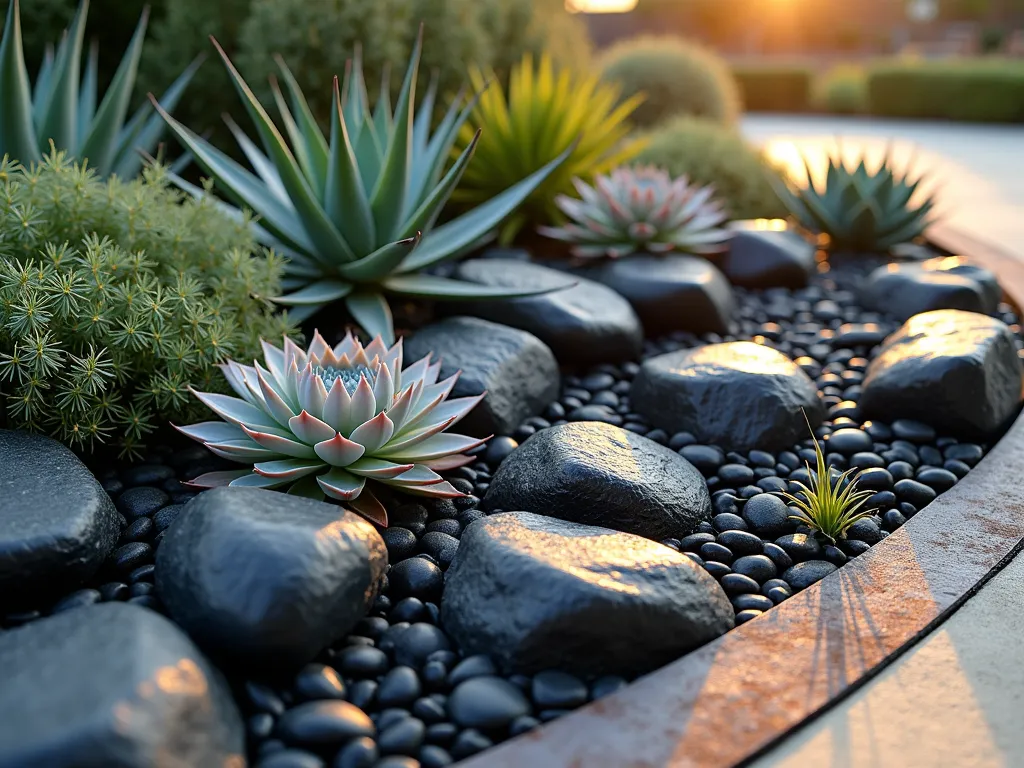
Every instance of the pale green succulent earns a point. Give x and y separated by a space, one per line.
356 215
334 422
62 105
640 209
859 209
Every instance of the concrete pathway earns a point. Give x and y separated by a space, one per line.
977 170
956 698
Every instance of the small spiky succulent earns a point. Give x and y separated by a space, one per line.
330 422
830 505
638 209
62 108
860 210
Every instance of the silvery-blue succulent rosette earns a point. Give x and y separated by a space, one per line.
335 422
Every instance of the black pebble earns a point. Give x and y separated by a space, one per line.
415 644
716 569
778 555
441 546
363 693
768 515
128 557
138 502
800 546
552 689
358 753
317 681
737 584
748 602
290 758
729 522
741 542
758 567
401 543
416 577
399 687
939 480
402 738
469 742
715 551
918 494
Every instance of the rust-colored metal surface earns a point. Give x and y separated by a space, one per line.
724 703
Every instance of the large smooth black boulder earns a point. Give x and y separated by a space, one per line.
538 593
767 254
670 292
262 578
908 289
956 371
596 474
517 370
112 685
57 524
585 323
738 395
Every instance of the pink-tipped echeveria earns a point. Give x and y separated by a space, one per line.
640 209
336 422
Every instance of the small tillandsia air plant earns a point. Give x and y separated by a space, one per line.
343 422
640 209
829 505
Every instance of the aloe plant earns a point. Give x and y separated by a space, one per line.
61 107
356 214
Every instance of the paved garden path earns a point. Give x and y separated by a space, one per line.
957 697
978 170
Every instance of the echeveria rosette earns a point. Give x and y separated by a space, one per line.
356 212
640 209
333 422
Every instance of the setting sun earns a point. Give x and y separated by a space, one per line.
600 6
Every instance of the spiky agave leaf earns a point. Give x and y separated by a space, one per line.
62 105
640 209
829 505
545 114
859 209
337 421
356 212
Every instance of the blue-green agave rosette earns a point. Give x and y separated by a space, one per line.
355 214
62 106
335 422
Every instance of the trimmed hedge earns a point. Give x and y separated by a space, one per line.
982 90
843 90
773 87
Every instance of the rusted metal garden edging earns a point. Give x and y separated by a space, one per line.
730 700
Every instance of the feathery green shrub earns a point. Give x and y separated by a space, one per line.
678 77
115 297
774 87
710 154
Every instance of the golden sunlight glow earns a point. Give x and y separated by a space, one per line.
600 6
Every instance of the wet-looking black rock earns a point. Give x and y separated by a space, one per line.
538 593
265 578
515 368
596 474
57 524
956 371
738 395
112 685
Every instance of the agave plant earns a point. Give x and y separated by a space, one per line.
545 115
638 209
829 505
356 215
62 106
335 422
859 209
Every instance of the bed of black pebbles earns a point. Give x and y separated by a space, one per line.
400 667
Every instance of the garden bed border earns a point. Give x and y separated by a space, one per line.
729 701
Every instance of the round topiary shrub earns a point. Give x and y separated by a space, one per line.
115 297
843 90
677 76
710 154
536 27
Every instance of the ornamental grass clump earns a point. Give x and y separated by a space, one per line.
859 209
115 297
546 115
641 209
829 506
356 215
336 422
62 107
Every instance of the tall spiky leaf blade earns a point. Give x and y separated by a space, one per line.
17 137
100 147
59 122
344 198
